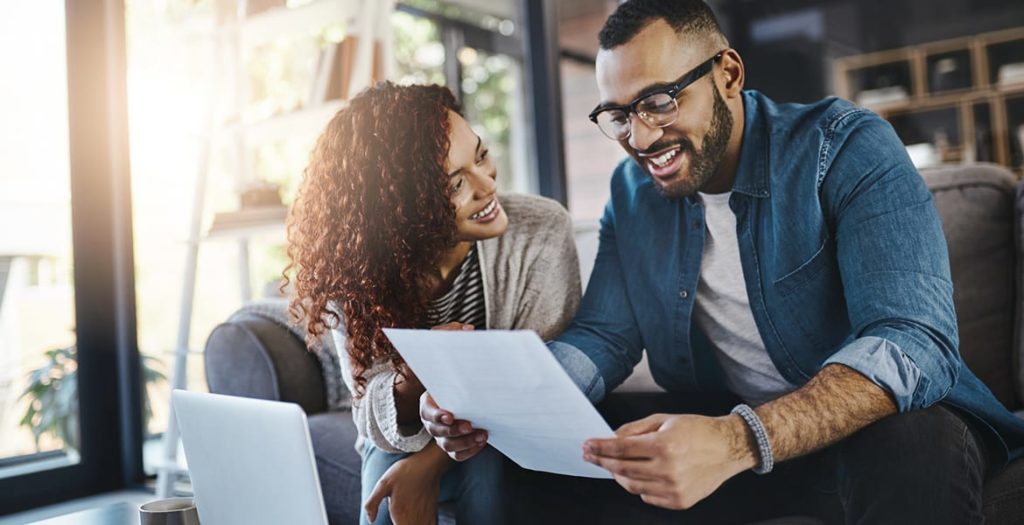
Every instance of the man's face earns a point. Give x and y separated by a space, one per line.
683 156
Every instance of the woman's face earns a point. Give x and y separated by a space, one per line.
478 214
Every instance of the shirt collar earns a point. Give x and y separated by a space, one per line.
752 169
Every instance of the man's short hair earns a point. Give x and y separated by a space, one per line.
684 16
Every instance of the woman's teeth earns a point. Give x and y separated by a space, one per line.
484 212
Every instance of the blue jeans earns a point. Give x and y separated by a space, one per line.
476 486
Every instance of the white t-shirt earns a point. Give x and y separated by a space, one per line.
722 310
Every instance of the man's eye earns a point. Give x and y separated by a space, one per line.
483 156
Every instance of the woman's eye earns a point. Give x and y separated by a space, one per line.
457 185
483 156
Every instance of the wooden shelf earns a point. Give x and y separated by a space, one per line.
954 99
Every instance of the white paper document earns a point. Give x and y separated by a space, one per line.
509 384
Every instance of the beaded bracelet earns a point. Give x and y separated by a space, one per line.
763 446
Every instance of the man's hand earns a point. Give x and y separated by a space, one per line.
456 437
675 461
412 485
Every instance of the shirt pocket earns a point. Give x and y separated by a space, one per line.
823 259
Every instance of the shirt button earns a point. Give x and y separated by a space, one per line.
684 294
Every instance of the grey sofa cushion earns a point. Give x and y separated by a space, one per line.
251 355
276 309
976 206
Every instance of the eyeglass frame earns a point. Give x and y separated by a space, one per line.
672 91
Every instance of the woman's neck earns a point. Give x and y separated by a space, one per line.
449 266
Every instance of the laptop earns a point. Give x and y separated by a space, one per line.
251 461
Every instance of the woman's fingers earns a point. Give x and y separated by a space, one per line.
454 326
372 503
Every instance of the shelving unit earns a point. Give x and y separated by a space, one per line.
364 55
963 96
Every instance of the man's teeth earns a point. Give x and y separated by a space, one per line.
662 160
484 212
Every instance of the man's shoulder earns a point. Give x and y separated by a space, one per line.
810 121
805 139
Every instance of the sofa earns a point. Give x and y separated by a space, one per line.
257 354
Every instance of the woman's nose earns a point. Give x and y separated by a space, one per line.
484 183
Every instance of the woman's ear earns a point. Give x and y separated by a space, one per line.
732 73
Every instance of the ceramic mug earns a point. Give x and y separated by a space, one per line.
171 511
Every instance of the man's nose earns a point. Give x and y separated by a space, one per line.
642 134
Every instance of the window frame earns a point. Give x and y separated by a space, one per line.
109 388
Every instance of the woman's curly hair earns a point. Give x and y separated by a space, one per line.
372 219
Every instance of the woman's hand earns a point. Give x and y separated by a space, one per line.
412 486
453 326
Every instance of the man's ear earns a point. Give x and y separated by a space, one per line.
732 73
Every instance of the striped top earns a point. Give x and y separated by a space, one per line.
464 302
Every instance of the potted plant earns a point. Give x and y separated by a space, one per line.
52 394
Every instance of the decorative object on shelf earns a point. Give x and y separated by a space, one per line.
1011 74
923 155
258 194
871 98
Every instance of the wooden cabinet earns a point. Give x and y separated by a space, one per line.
964 97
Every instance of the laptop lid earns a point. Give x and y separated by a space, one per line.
251 461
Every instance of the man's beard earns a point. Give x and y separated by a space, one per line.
704 163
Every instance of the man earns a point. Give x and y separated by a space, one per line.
791 255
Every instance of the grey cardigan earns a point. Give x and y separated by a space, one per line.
531 281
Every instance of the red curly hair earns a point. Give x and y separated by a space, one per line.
372 218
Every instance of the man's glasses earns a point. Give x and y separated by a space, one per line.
657 109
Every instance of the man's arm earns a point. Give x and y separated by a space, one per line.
834 404
675 461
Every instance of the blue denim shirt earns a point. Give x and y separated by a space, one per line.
842 253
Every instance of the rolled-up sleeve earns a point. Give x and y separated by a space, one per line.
882 362
605 330
894 265
374 413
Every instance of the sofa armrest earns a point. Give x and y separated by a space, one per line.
251 355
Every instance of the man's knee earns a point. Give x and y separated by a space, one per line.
487 466
924 465
933 435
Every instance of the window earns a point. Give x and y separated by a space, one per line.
38 366
66 315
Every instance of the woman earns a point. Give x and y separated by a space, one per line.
397 224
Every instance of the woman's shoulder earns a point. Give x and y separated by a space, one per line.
533 214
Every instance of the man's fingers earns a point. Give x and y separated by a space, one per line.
642 426
640 487
664 502
632 447
638 470
372 503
